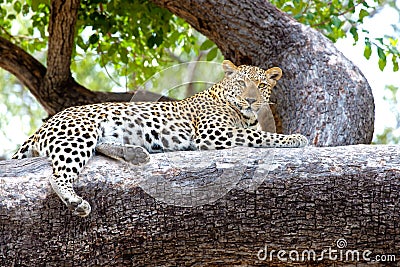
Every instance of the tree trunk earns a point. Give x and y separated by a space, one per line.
321 94
209 208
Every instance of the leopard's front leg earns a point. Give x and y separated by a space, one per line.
226 137
135 155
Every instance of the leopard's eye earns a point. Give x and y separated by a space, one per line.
242 83
262 85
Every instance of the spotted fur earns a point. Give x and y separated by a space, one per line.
221 117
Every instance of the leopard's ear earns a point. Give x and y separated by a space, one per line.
274 73
229 67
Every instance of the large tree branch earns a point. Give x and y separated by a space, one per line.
206 208
32 75
25 67
321 94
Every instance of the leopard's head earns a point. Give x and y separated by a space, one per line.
248 88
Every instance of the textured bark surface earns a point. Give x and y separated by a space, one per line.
214 208
321 94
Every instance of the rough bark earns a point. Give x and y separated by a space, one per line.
238 201
321 94
63 15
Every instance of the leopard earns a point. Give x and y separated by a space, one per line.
220 117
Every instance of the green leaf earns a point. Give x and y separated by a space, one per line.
159 38
25 9
93 15
363 13
151 41
336 21
393 42
310 17
93 39
81 43
382 63
30 31
395 63
11 17
367 49
354 32
113 49
297 16
380 40
212 54
17 6
35 4
350 5
123 53
381 54
365 4
207 44
3 12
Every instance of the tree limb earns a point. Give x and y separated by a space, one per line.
32 73
206 208
19 63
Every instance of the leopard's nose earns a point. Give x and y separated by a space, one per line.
250 100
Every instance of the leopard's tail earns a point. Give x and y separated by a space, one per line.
27 150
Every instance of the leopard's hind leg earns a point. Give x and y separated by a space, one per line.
27 150
69 155
63 186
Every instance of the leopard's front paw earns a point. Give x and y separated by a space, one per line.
298 140
136 155
80 207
